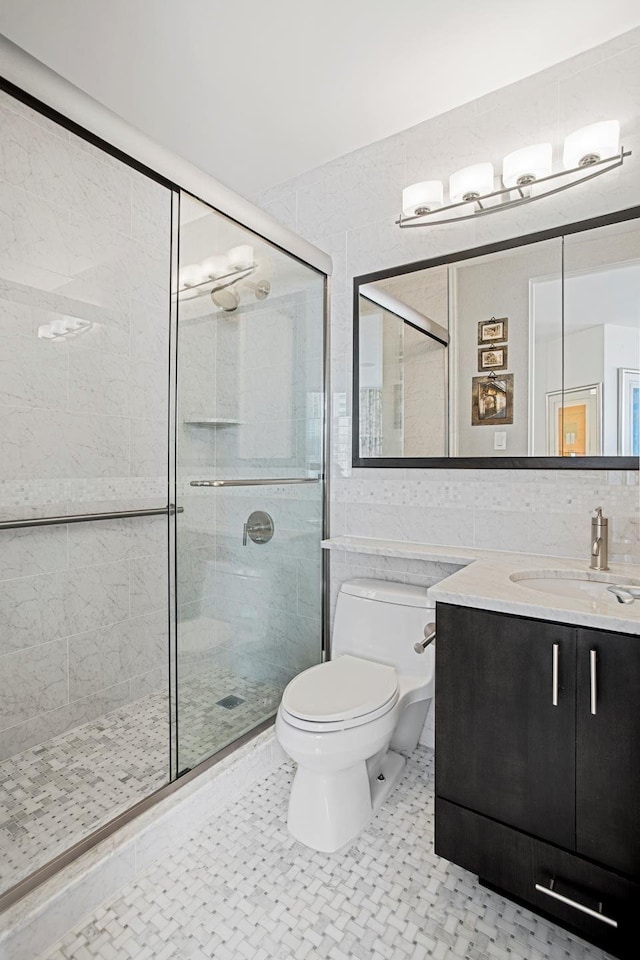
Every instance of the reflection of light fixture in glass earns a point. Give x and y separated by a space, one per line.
214 267
471 182
421 198
588 153
587 146
63 327
192 275
523 167
241 257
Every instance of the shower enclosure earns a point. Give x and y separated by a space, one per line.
249 430
161 484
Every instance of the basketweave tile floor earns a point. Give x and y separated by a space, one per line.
243 889
57 793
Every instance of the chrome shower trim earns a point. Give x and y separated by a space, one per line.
167 511
267 482
327 465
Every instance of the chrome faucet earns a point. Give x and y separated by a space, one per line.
599 541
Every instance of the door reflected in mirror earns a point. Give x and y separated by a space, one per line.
526 352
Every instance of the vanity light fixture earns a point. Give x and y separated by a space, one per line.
471 182
63 327
422 198
588 145
523 167
527 175
216 273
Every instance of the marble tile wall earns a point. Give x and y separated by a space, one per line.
348 208
83 427
254 609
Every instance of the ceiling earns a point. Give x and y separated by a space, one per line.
260 91
591 299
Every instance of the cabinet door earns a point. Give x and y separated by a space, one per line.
608 750
503 747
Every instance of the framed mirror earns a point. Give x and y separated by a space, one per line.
524 354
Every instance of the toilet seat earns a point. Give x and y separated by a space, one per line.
339 694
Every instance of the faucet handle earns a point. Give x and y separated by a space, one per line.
598 511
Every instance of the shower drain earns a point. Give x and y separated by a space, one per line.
229 702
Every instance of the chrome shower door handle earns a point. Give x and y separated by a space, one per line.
593 673
555 657
244 534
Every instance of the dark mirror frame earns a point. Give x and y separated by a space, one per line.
490 463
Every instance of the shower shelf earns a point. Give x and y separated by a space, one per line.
211 421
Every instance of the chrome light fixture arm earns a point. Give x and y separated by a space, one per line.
502 199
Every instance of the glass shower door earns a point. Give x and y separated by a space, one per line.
249 465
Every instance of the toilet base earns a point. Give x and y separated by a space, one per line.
391 769
327 811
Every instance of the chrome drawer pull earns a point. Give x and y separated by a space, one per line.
556 655
550 892
593 667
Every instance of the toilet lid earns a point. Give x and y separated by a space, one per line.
340 689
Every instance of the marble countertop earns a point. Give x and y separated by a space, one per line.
485 582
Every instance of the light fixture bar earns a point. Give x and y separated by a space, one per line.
480 209
215 283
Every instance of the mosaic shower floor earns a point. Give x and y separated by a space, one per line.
243 889
55 794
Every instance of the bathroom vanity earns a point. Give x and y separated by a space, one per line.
538 751
537 730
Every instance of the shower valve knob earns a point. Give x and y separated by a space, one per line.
259 528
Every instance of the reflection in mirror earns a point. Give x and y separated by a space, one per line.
496 326
402 375
601 402
542 355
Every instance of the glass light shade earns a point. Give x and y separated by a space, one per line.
59 327
191 275
590 144
241 257
216 267
524 166
471 182
422 197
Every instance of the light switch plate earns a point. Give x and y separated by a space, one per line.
500 440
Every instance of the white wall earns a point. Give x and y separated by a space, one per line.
348 208
498 286
621 349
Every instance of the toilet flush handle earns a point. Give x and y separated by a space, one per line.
429 637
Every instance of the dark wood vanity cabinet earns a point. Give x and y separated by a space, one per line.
538 766
608 750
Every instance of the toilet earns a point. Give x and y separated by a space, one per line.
347 722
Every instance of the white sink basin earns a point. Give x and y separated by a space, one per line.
574 584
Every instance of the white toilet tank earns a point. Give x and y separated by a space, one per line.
381 620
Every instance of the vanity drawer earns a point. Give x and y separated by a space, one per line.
519 865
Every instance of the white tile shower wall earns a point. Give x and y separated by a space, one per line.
83 427
252 609
348 208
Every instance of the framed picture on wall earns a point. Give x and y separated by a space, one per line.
492 400
492 358
574 422
495 330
